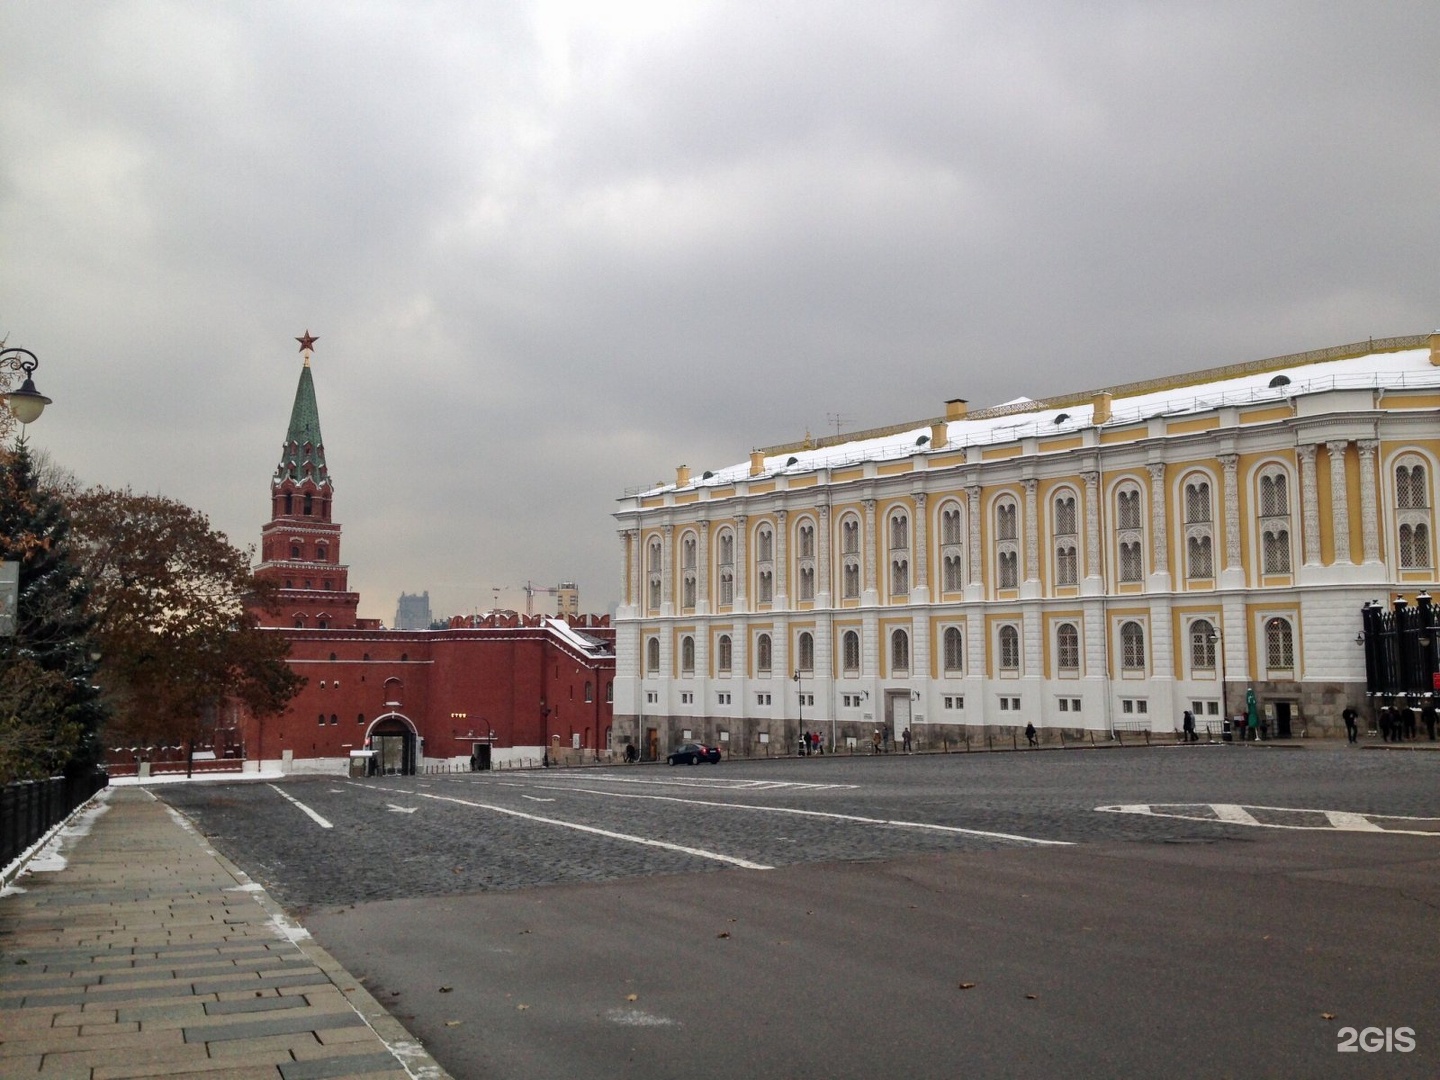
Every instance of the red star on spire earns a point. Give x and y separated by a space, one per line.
307 342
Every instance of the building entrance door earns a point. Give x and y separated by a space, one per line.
652 744
394 746
1282 719
897 704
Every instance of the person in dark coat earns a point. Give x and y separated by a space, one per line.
1427 714
1382 721
1030 735
1349 716
1187 726
1407 715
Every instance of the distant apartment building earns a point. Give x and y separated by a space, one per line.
413 611
567 599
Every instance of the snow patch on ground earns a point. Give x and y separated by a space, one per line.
638 1018
46 855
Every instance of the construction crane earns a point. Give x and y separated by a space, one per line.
530 590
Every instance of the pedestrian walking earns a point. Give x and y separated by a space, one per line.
1252 709
1407 716
1428 715
1352 734
1382 721
1030 738
1187 726
875 742
905 736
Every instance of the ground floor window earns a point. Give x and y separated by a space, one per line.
954 701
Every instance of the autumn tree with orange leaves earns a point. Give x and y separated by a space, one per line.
172 604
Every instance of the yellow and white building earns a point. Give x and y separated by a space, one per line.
1098 562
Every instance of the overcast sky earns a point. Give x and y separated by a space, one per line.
553 250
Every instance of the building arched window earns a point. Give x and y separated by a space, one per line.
899 554
850 652
899 652
652 656
1202 647
688 571
1067 647
653 563
725 567
764 565
724 658
299 621
1129 533
1007 551
805 559
1274 521
764 657
1279 645
1132 646
952 551
850 557
954 652
687 655
1412 512
1009 648
1199 530
321 553
805 652
589 690
294 551
1067 539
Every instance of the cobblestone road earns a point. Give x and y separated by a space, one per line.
394 838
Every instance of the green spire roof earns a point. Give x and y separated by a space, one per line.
303 454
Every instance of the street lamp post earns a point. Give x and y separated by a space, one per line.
1219 645
800 704
27 403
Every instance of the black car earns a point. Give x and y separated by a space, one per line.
693 753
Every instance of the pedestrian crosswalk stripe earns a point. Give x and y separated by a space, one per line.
1283 817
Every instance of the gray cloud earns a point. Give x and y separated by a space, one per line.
552 253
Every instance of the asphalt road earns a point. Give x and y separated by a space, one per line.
1233 912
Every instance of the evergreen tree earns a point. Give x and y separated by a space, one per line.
51 711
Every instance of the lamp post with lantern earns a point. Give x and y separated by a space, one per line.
27 403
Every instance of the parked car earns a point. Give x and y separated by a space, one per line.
692 753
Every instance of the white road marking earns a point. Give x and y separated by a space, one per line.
318 819
1233 814
1343 819
720 782
536 798
401 809
646 841
1236 815
853 818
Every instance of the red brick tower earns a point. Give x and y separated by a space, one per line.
300 545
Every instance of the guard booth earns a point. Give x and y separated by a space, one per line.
360 763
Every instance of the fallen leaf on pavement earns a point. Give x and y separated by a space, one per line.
446 989
967 986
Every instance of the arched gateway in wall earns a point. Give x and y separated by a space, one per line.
396 744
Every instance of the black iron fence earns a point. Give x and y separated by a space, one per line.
29 809
1401 648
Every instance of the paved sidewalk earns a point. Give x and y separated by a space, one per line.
150 955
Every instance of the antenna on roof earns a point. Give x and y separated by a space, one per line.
838 419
